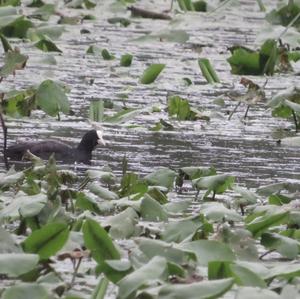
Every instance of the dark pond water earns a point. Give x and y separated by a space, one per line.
246 149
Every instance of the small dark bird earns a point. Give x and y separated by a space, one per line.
63 152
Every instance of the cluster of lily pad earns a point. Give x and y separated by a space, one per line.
50 215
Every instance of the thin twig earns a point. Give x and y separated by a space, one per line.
247 111
76 271
266 253
234 110
295 120
4 128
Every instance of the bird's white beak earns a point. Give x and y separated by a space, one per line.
100 140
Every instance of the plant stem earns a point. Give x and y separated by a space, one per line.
295 120
4 128
234 110
75 271
266 253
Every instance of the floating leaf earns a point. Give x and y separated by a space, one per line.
154 269
209 250
245 61
199 290
151 73
98 242
6 46
26 291
216 183
46 45
51 97
161 177
106 55
47 240
13 61
262 223
123 21
242 275
216 211
50 31
15 26
286 246
115 270
126 60
15 264
151 210
181 108
24 205
123 225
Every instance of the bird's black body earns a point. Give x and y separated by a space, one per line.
44 149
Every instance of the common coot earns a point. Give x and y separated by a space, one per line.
63 152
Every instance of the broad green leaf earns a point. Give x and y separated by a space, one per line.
151 73
24 205
44 12
126 60
285 270
46 45
51 31
26 291
216 211
246 197
101 288
155 269
242 275
262 223
244 62
209 250
102 192
123 21
51 97
106 55
161 177
6 45
198 290
216 183
177 231
115 270
181 108
11 178
151 210
171 252
286 246
47 240
15 264
84 202
13 61
123 115
15 27
123 225
98 242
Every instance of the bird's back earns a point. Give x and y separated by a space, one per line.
42 149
